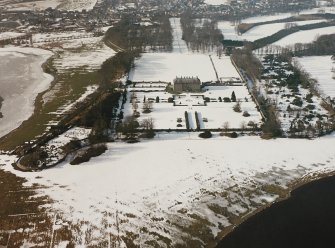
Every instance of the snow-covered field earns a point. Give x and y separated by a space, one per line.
76 49
217 2
266 18
175 188
22 78
167 66
44 4
228 29
321 68
306 36
262 31
90 56
278 16
224 67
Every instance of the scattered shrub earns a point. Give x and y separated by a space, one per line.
251 124
310 107
233 135
246 114
237 107
297 102
205 135
226 99
93 151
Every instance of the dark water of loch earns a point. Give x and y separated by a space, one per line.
306 219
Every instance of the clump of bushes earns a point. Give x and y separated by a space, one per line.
226 99
85 156
237 107
233 135
246 114
205 135
297 101
34 159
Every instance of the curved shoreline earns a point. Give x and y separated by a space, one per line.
292 187
31 93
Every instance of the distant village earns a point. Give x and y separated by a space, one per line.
107 12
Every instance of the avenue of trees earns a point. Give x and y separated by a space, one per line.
245 60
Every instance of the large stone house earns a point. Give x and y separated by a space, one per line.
186 84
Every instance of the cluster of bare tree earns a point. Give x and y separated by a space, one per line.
130 34
204 36
130 128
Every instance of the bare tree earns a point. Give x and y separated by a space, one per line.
243 126
237 107
129 127
148 126
147 107
225 126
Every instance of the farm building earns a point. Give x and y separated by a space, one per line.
186 84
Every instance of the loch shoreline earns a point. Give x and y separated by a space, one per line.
304 219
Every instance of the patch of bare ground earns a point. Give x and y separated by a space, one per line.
24 216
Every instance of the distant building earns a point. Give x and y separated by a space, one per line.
186 84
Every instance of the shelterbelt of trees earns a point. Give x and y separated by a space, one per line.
323 45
